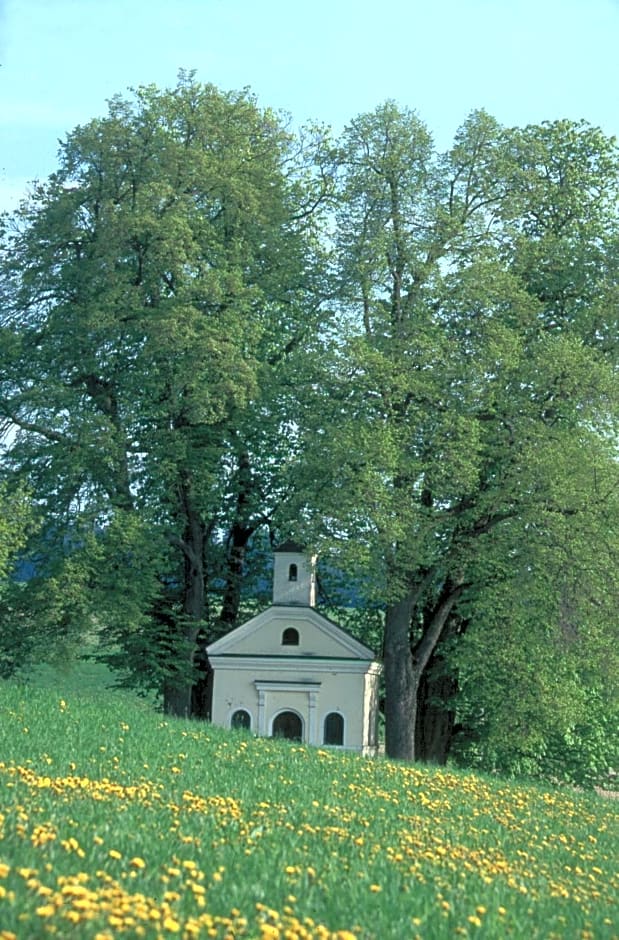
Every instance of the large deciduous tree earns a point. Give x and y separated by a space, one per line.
473 399
170 387
154 289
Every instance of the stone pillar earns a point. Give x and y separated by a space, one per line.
262 718
312 730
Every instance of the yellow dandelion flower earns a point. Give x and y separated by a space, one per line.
375 888
169 923
114 853
137 862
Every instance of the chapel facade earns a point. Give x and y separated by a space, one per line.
291 672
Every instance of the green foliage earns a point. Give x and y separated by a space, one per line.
18 639
529 706
17 520
151 287
470 413
212 327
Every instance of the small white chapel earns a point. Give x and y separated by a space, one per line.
290 672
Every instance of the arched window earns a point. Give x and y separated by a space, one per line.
290 637
288 725
334 729
293 573
241 719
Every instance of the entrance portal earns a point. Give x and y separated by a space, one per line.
288 725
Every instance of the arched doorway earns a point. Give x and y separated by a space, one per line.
288 725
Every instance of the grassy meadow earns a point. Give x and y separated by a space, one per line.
117 822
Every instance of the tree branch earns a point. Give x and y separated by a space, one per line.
426 645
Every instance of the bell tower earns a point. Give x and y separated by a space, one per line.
294 576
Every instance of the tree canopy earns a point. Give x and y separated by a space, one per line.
153 286
214 327
470 448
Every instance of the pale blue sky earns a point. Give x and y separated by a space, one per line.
522 60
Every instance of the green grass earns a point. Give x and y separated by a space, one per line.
73 676
116 822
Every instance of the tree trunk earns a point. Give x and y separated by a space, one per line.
405 666
177 699
435 719
436 716
202 689
177 693
429 735
400 682
241 531
104 395
235 562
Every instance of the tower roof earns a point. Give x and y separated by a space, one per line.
290 546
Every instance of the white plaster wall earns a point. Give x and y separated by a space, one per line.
301 591
268 640
232 690
343 694
338 692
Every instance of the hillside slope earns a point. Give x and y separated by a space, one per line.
115 822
